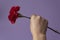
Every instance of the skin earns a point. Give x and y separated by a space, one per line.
38 26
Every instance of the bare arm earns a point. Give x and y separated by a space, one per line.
38 26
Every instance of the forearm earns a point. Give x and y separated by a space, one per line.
39 37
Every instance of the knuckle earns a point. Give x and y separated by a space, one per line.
38 17
46 21
34 15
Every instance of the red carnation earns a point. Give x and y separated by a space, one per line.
13 14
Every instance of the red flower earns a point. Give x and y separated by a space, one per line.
13 14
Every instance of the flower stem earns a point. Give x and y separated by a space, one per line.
54 30
48 27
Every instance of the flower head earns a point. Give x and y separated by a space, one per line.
13 14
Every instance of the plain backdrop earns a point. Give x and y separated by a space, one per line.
49 9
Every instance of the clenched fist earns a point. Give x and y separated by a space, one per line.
38 25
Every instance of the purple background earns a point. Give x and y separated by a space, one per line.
49 9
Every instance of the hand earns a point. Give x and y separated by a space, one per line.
38 25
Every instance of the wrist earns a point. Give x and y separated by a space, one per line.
36 34
39 37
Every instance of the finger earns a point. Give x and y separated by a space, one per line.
33 16
39 19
